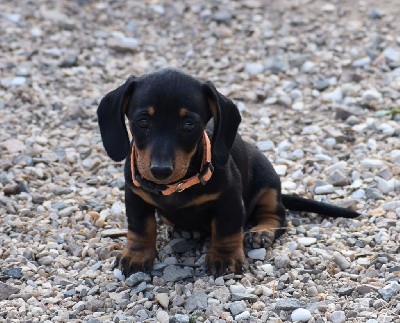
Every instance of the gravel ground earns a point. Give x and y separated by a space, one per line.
318 86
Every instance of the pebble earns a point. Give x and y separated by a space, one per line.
324 189
341 261
137 278
182 318
237 307
280 169
254 68
6 291
237 289
258 254
392 55
266 145
242 316
389 290
301 315
372 163
163 299
174 273
198 301
289 304
162 317
122 43
335 96
306 241
338 317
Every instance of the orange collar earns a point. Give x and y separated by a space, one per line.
202 177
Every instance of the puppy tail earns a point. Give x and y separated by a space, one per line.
296 203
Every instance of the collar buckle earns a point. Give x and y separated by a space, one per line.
178 188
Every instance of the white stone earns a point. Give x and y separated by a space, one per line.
359 194
289 185
254 68
242 316
298 105
370 163
391 206
308 130
334 96
324 189
301 315
162 299
281 169
395 156
237 289
307 241
268 269
118 273
162 317
266 145
258 254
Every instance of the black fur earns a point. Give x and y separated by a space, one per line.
228 202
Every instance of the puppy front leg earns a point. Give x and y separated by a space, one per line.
226 253
140 250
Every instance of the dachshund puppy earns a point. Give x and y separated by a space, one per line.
195 176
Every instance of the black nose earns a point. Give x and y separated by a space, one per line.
161 172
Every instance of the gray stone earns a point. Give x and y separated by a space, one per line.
139 288
182 318
122 43
391 206
238 288
322 85
338 317
237 307
281 261
306 241
254 68
15 273
182 245
389 290
197 301
324 189
243 297
257 254
6 291
392 55
174 273
338 178
223 16
137 278
375 13
289 304
266 145
345 291
242 316
361 62
341 261
370 163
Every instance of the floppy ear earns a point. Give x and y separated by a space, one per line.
226 122
111 118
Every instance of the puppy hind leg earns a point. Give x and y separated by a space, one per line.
269 217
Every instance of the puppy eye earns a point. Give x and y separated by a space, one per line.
143 123
188 125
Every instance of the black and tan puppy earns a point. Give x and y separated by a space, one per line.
171 166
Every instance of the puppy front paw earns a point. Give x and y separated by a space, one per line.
220 261
257 239
129 261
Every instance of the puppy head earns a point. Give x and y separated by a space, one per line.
167 112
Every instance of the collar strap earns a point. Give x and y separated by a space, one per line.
202 177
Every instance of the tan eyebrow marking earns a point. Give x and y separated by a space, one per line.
183 112
151 111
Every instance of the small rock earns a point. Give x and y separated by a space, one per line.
266 145
113 233
237 307
341 261
223 16
174 273
69 60
338 317
6 291
280 169
392 55
395 156
289 304
123 44
335 96
361 62
281 261
243 297
337 178
372 98
238 288
139 288
182 318
375 13
345 291
219 281
268 269
137 278
301 315
254 68
322 85
163 299
372 163
324 189
15 273
243 316
389 290
306 241
257 253
182 245
312 129
198 301
162 317
13 145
